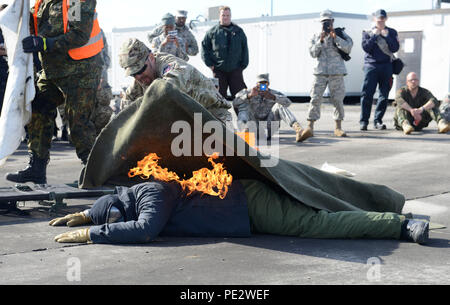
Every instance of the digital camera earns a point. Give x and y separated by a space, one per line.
263 87
173 33
327 26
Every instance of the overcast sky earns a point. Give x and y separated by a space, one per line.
137 13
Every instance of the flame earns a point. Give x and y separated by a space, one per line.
248 137
213 182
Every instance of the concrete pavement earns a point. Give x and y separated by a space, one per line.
417 166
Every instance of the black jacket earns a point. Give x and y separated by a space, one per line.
225 48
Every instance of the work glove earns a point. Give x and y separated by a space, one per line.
74 237
33 44
71 220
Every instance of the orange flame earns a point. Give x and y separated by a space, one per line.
248 137
213 182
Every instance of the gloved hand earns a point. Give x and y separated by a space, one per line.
33 44
71 220
79 236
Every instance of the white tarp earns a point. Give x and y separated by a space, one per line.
20 90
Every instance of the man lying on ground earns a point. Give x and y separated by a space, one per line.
141 213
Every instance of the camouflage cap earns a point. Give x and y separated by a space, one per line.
181 13
133 55
168 19
262 78
326 15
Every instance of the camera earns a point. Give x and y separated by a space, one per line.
327 26
172 33
263 87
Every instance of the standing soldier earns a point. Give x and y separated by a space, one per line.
185 34
330 47
169 41
69 43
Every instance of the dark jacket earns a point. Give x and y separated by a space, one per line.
225 48
3 62
374 55
159 208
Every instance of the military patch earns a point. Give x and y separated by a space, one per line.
167 69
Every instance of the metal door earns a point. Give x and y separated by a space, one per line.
411 54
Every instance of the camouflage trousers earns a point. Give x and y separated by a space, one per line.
402 115
336 86
78 95
102 112
445 111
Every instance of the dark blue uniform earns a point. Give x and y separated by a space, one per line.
3 73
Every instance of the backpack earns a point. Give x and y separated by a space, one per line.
339 32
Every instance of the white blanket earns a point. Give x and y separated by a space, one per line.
20 90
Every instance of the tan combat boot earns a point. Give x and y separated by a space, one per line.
407 128
308 132
298 131
443 126
338 132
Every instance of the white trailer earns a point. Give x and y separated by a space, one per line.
277 45
425 48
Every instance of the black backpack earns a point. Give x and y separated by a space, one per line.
339 32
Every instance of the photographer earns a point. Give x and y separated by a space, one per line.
261 104
168 41
330 48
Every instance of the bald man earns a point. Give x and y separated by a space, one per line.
417 107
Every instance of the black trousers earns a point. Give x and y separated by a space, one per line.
233 80
3 79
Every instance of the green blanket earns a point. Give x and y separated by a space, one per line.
145 127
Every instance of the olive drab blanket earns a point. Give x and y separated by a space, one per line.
147 126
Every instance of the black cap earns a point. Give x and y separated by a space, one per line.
380 13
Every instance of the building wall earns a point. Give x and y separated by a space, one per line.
435 74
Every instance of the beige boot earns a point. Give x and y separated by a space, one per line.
443 126
298 131
308 132
338 132
407 128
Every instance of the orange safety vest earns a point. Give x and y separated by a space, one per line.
95 44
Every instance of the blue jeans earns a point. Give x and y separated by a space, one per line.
380 74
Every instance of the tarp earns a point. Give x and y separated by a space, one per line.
150 126
20 90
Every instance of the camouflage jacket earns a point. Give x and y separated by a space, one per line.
189 39
445 108
257 108
188 80
57 63
328 59
184 33
170 48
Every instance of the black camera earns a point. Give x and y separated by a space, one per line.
327 26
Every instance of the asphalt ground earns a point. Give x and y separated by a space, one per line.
417 166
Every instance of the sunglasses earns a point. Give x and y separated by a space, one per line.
140 71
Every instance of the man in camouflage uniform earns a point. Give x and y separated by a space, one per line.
167 42
140 63
183 32
62 81
261 104
329 71
417 107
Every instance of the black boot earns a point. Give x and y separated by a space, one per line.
415 231
64 134
35 172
